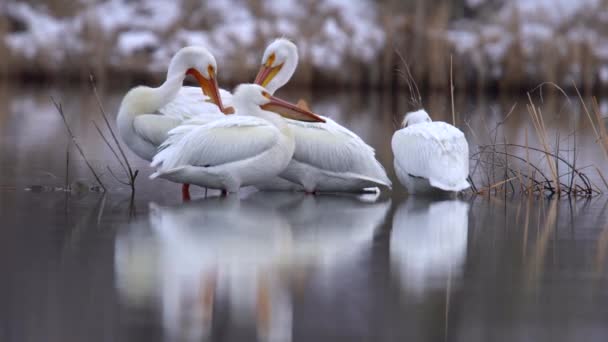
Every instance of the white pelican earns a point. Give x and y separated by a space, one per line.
141 129
428 243
328 157
237 150
430 157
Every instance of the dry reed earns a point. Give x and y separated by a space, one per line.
59 108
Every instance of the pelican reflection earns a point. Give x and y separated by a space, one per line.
428 243
236 260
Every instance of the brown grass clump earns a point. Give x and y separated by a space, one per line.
547 169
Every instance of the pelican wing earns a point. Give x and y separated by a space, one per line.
436 151
334 148
230 139
153 128
190 102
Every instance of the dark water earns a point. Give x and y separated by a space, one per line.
281 267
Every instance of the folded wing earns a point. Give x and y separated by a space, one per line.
154 128
230 139
436 151
332 147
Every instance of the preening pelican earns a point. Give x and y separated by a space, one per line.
234 151
144 131
279 63
430 156
328 157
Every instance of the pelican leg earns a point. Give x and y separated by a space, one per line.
186 192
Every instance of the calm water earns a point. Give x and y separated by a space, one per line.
282 267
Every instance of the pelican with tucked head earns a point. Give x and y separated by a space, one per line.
328 157
140 127
430 156
279 63
234 151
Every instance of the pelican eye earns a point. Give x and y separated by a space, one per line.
265 94
211 71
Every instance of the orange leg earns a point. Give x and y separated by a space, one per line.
186 192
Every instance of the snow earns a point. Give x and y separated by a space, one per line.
131 42
463 40
335 32
555 11
230 30
539 24
44 33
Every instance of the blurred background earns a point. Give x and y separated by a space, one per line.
495 44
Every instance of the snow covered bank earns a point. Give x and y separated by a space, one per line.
514 42
141 36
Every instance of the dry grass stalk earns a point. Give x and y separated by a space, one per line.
599 173
415 97
493 186
452 93
580 97
73 138
602 133
541 132
122 159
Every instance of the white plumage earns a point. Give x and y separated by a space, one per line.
223 154
430 156
191 103
141 128
234 151
328 157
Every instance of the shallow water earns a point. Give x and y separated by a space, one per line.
280 267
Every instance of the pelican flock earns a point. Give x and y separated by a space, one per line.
237 150
212 138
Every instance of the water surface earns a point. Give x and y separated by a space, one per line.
279 266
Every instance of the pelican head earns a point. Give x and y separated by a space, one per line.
199 63
416 117
254 99
278 64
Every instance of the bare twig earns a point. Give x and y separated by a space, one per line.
415 97
105 139
603 134
452 93
131 174
580 97
73 137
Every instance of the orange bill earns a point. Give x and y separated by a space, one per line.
210 88
267 72
289 110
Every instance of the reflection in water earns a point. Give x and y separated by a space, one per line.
428 242
239 257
